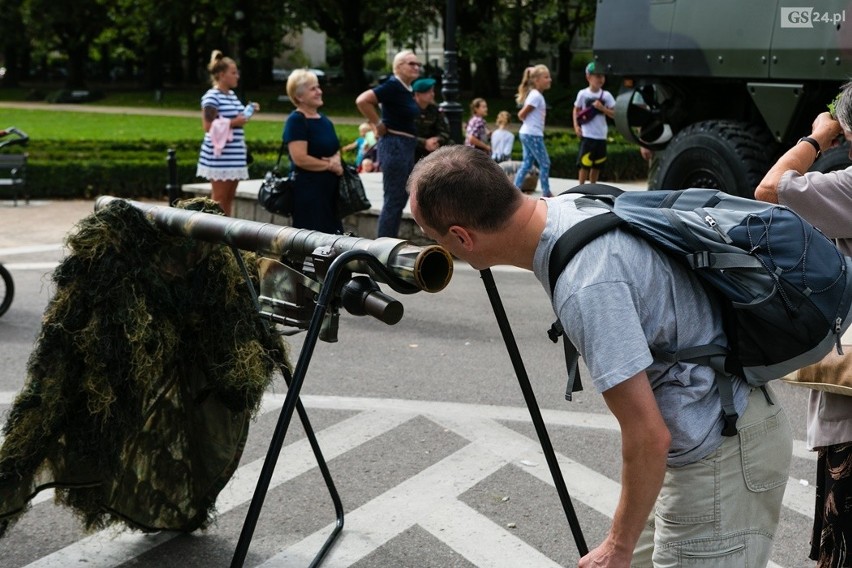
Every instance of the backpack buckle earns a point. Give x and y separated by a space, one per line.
701 259
555 331
730 428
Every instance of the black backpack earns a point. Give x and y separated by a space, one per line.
784 287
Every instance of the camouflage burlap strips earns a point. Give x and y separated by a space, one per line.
149 365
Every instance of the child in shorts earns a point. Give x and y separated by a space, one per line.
591 109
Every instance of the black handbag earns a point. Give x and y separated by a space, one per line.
351 197
276 191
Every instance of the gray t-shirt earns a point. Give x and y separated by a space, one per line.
617 297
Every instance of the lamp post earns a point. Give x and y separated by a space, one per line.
451 107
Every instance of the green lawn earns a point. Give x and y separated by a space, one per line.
56 125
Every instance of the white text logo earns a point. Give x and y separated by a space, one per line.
808 17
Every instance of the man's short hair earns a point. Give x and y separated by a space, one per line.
460 185
399 58
843 107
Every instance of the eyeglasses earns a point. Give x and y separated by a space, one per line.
414 63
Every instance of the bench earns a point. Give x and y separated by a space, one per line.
13 168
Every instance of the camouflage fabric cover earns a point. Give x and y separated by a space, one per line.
150 363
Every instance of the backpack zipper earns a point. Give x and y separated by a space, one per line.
711 222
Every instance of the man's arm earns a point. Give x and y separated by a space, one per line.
368 105
799 158
645 441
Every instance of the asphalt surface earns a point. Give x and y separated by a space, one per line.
423 426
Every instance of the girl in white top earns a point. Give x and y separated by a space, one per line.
533 112
502 139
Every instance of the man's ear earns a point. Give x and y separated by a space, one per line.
463 236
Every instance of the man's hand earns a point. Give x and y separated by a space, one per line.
432 144
799 157
825 130
608 555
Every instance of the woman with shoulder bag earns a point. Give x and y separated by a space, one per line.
314 151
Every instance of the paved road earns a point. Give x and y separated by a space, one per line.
423 426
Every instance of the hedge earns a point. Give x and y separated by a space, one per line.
138 169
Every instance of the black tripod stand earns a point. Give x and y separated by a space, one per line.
331 284
535 412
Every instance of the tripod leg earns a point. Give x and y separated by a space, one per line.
535 412
326 475
291 403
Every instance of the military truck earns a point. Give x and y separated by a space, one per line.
719 89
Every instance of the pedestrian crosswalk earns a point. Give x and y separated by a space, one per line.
477 443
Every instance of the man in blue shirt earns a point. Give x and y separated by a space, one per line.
397 133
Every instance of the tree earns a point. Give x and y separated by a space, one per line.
481 42
13 44
70 31
520 32
359 25
570 19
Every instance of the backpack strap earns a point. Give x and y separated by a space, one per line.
574 239
572 359
729 412
717 358
566 247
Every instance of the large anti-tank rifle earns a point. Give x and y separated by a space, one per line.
295 263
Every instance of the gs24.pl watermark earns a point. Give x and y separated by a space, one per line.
809 17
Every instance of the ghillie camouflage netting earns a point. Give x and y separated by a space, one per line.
151 361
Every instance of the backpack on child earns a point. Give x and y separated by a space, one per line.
784 287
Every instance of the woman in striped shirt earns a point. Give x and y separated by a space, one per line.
223 152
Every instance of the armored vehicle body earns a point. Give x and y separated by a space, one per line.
720 89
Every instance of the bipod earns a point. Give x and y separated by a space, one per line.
336 271
535 412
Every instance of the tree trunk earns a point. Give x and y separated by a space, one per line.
486 80
563 74
78 55
153 78
353 67
13 67
176 73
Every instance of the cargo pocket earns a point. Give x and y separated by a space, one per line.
688 497
727 553
767 449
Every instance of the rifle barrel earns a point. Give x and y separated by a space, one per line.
429 268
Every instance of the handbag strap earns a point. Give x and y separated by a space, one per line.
280 153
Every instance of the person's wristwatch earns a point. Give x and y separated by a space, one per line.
813 143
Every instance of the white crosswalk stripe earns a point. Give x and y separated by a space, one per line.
431 497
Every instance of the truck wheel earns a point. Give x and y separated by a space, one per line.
836 158
726 155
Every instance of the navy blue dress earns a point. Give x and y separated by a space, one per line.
315 193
